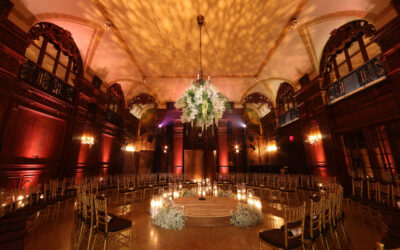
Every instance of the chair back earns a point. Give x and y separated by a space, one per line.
357 188
315 219
372 190
101 213
384 193
326 212
88 211
294 222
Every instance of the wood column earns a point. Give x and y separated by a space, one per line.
223 147
178 148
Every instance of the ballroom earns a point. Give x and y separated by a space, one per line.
188 124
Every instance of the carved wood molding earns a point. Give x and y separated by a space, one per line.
257 98
143 99
341 37
60 37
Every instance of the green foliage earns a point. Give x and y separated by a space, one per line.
227 194
187 193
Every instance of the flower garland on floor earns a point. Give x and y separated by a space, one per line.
202 103
188 192
170 216
227 194
246 216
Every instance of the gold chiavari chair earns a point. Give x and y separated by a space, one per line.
384 194
396 196
337 216
88 217
313 225
107 225
291 236
327 219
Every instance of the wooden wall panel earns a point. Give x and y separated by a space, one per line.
32 134
193 164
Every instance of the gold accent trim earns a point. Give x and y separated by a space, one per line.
90 54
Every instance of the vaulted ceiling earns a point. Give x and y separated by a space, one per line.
153 46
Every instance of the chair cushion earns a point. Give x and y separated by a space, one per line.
276 238
14 245
394 232
15 219
12 227
19 213
13 235
116 224
391 243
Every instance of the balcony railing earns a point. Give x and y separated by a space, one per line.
113 117
39 78
289 116
371 72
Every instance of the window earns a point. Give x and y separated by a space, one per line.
285 98
356 153
46 51
348 49
372 152
383 152
115 99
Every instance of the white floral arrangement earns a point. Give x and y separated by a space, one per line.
170 217
202 103
227 194
188 192
246 216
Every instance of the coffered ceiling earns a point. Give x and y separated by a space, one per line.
153 46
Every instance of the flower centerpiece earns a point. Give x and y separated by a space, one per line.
246 216
169 216
202 103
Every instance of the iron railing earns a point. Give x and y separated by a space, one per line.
372 71
39 78
113 117
289 116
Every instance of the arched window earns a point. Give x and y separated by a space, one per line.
286 104
115 104
115 99
53 49
347 49
53 61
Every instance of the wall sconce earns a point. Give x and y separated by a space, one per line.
272 147
130 148
236 149
314 138
88 140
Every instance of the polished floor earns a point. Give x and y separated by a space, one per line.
59 234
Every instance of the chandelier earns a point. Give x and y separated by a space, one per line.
201 103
